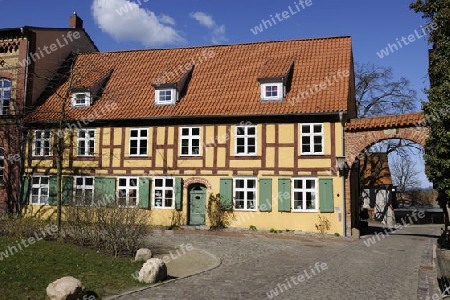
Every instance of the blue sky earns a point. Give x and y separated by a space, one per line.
166 24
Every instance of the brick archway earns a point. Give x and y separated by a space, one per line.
363 133
192 180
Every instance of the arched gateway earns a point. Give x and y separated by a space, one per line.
363 133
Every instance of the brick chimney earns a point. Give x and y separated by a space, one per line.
75 21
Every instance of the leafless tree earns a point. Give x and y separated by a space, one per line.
404 173
379 93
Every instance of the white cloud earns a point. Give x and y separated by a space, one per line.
125 21
218 32
166 19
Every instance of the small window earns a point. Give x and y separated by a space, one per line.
81 99
128 191
304 191
190 141
163 196
39 190
272 91
83 190
86 142
165 96
138 142
312 139
42 139
245 193
5 96
245 141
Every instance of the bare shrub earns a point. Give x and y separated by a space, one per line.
107 226
324 225
24 227
220 215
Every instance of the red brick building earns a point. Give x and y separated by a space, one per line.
29 59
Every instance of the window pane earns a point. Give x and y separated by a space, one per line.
169 182
195 131
144 133
240 130
44 180
318 128
158 182
251 183
298 184
133 133
133 182
122 182
306 129
251 130
89 181
239 183
185 131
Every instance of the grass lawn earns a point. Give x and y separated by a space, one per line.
26 274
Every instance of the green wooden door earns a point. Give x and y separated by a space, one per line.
197 205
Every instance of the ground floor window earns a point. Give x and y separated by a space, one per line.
84 190
163 195
39 190
128 191
304 191
245 193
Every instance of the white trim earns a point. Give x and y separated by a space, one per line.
305 190
83 187
173 96
2 96
245 190
39 186
280 91
86 102
138 138
163 189
86 140
311 136
245 136
190 137
42 140
127 188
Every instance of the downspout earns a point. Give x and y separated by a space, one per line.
344 215
22 131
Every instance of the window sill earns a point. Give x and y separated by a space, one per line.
244 210
305 210
162 208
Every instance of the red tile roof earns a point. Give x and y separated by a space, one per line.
388 121
224 81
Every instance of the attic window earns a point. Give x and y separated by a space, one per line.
165 96
272 91
82 99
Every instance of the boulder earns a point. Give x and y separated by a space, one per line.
143 254
153 270
65 288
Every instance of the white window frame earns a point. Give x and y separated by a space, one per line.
40 187
86 139
311 136
42 141
138 140
190 137
246 137
173 96
86 101
4 101
280 91
304 190
127 188
245 190
83 187
161 198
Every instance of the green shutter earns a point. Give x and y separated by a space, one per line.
178 193
67 190
24 190
284 193
226 193
326 195
265 194
52 191
144 192
105 191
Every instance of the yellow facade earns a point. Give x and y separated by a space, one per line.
274 159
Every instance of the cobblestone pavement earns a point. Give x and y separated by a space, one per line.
395 267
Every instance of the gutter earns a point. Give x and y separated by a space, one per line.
344 213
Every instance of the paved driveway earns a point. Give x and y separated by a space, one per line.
398 266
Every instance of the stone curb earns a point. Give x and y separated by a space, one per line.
218 263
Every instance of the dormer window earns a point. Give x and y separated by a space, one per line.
272 91
274 79
165 96
81 99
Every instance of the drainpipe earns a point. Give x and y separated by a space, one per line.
22 131
344 215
